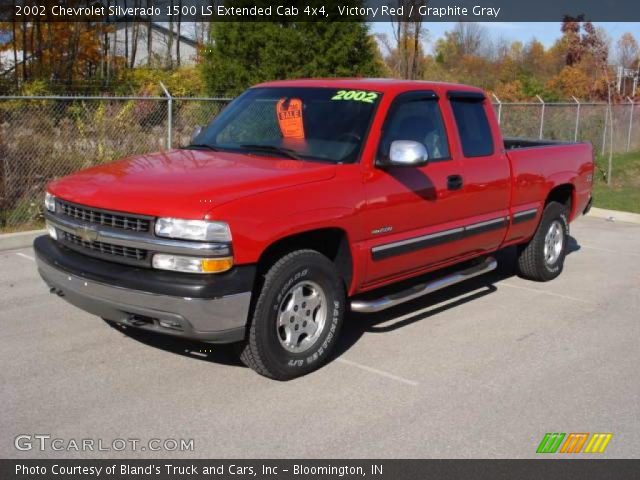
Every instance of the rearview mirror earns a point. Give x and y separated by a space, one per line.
196 132
407 153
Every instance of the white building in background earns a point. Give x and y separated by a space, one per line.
162 39
7 61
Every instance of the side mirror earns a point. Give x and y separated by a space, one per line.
407 153
196 132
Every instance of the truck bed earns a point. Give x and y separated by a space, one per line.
512 143
534 168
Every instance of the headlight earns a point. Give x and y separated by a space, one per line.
50 202
193 230
179 263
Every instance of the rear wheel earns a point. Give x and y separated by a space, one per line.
296 318
542 259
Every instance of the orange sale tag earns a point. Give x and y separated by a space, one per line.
290 117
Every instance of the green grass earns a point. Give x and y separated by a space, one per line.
624 192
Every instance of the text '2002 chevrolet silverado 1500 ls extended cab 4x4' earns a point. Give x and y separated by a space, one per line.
298 203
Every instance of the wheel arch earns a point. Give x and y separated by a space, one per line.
565 194
332 242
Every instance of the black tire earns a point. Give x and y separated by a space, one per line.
532 262
264 350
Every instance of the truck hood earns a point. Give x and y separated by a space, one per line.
184 183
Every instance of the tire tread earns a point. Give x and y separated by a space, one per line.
250 354
530 258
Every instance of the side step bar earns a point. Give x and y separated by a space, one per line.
378 304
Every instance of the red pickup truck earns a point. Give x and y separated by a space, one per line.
298 203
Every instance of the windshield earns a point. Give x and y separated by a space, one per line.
325 124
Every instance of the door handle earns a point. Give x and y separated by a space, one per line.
454 182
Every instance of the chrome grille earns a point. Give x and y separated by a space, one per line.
103 249
99 217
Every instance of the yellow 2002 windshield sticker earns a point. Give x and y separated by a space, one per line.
356 95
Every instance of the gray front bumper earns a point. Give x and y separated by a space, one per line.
219 320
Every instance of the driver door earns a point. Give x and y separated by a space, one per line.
413 213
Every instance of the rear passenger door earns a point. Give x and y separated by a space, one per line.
485 171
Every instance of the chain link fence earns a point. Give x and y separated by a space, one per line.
575 121
42 138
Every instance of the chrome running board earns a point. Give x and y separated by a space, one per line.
382 303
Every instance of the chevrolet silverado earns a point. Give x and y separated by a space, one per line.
304 200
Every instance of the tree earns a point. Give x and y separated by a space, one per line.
466 39
510 91
627 51
470 37
58 51
508 61
169 38
571 38
571 81
179 33
581 39
149 37
406 58
240 54
595 43
534 56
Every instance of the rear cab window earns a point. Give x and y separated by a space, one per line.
473 125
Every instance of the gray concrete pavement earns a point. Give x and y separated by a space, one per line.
483 369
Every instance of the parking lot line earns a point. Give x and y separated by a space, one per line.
382 373
24 255
553 294
609 250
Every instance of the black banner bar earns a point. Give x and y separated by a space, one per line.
318 10
542 469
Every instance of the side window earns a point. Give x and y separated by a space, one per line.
418 119
473 126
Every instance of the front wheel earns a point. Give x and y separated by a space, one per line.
296 318
542 259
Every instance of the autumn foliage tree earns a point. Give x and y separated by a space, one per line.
56 51
577 64
65 55
628 51
580 63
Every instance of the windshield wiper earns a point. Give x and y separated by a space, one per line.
287 152
200 146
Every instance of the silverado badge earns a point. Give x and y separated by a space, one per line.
380 230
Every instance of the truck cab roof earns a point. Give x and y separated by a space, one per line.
382 85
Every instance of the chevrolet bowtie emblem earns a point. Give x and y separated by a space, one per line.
87 234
